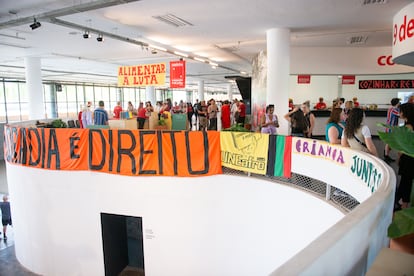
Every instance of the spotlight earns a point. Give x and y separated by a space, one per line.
153 51
86 35
100 38
36 24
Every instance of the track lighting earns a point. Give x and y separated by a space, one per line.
86 35
100 38
36 24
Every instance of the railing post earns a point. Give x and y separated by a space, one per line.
328 192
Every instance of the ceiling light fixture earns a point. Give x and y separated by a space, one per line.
180 54
100 38
36 24
86 35
213 64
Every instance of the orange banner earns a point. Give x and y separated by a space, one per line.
126 152
142 75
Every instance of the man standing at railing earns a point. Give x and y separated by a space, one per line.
100 115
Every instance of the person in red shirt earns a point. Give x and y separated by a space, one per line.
225 115
242 113
356 103
321 105
80 117
291 105
117 110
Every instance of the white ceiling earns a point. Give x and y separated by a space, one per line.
228 32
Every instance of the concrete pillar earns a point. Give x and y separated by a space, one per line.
278 70
150 94
34 88
230 91
53 102
201 90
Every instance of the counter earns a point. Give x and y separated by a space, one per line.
123 124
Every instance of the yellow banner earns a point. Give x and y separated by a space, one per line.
142 75
244 151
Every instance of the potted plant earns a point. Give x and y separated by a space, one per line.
161 124
58 123
401 230
236 127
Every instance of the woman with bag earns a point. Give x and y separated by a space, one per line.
356 135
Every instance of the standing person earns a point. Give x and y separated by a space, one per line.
117 110
297 121
342 103
291 105
310 118
141 115
5 215
321 105
333 129
131 108
80 116
100 115
242 113
393 114
234 111
269 121
357 135
355 101
195 109
87 116
190 113
212 115
406 162
225 115
202 115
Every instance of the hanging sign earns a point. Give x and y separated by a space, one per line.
177 74
348 79
142 75
304 79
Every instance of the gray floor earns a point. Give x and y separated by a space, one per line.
9 266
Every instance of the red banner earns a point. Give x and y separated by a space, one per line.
348 79
304 79
125 152
177 74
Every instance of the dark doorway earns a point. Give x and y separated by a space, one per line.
122 245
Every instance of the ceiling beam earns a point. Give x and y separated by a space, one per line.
94 5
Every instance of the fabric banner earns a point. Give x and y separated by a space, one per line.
244 151
279 156
177 74
126 152
142 75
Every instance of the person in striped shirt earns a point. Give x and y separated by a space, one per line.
393 114
100 115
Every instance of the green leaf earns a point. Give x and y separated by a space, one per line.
236 127
400 139
403 223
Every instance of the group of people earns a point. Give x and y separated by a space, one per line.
98 117
345 127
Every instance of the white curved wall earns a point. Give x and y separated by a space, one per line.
217 225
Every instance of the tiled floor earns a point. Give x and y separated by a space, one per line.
9 266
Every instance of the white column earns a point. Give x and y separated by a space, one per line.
34 87
201 90
278 70
230 91
150 94
158 96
